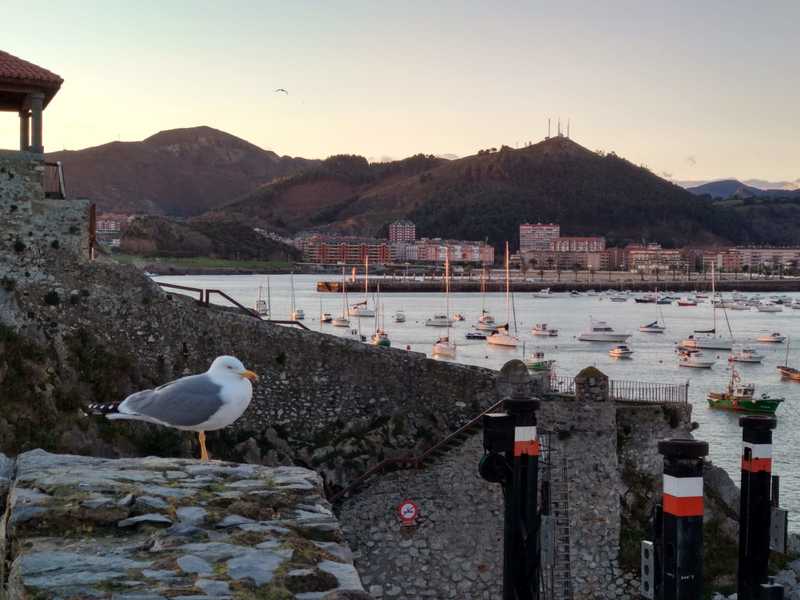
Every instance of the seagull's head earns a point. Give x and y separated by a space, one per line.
230 365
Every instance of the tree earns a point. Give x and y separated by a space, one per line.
576 267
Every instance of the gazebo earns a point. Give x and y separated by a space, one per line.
26 89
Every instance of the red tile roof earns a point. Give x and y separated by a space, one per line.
13 69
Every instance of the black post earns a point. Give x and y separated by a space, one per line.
512 459
755 507
679 548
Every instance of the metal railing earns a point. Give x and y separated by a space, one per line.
410 462
632 391
54 186
204 298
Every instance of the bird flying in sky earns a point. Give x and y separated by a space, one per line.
204 402
282 90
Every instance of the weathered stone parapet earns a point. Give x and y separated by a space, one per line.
163 528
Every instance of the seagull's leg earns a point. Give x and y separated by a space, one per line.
201 435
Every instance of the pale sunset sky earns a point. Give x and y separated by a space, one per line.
693 90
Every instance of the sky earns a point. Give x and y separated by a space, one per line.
692 90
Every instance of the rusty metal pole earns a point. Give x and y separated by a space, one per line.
755 505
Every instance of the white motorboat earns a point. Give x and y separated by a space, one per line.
618 298
501 336
600 331
438 320
458 317
543 293
298 314
542 329
685 301
694 359
746 355
769 308
475 335
361 309
444 348
771 338
795 305
739 306
399 317
621 351
340 321
326 318
653 327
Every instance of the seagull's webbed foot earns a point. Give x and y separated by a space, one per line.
201 435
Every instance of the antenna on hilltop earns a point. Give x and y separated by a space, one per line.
559 126
548 128
567 128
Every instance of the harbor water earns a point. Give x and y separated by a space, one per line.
653 360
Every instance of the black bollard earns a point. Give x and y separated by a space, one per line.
756 505
679 547
512 460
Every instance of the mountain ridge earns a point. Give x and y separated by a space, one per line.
177 172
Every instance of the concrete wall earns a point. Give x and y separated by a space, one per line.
32 227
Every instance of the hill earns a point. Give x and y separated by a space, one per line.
488 195
727 188
180 172
166 237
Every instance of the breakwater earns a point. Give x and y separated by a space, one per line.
498 285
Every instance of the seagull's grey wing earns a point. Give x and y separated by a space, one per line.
185 402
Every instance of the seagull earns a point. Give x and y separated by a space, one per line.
282 90
203 402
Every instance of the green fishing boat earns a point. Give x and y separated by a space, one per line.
536 362
741 397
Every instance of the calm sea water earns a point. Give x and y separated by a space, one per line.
653 360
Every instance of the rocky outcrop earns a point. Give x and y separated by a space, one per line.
158 528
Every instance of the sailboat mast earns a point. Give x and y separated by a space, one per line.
366 279
508 290
269 300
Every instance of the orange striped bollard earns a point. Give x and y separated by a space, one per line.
755 504
679 543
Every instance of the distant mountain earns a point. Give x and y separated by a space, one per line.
488 195
180 172
727 188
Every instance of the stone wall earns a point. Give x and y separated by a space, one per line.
31 226
336 405
159 528
456 551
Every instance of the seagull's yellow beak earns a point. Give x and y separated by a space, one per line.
249 375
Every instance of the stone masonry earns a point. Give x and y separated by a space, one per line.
32 226
159 528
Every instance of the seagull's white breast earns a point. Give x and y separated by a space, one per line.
236 394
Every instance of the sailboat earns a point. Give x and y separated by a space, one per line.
444 347
262 305
296 314
486 321
342 320
380 337
501 336
787 371
360 309
324 317
709 340
655 326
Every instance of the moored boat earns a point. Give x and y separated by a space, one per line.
746 355
325 318
543 293
653 327
475 335
444 348
789 372
694 359
438 320
501 336
687 302
771 338
621 351
541 329
740 397
600 331
537 363
399 317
